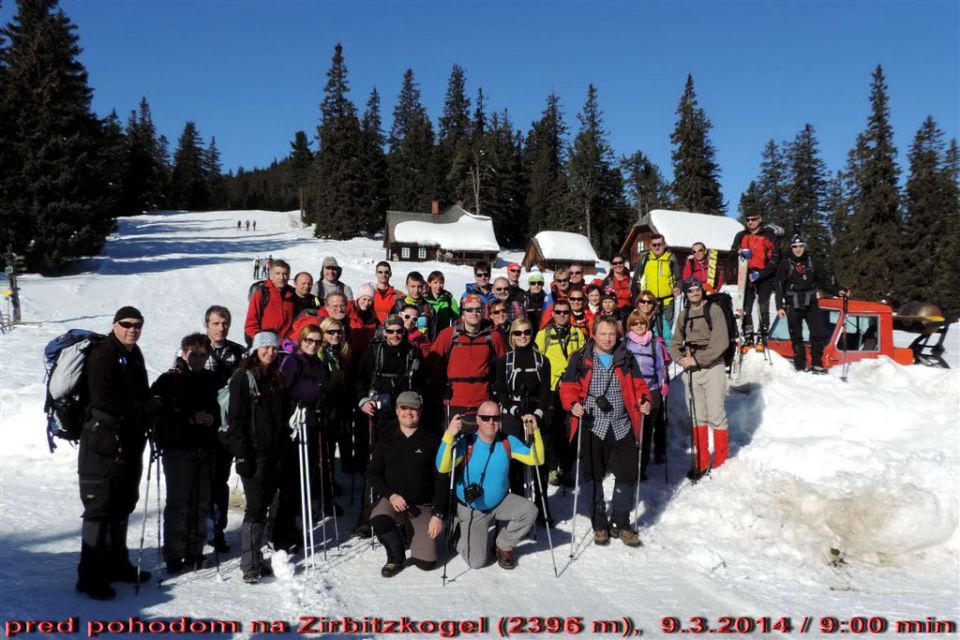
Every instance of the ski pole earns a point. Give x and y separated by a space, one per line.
143 525
636 494
323 506
543 505
843 354
693 421
446 550
156 452
665 425
576 488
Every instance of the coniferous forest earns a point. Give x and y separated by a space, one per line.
66 173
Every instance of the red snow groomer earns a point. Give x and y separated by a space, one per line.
860 330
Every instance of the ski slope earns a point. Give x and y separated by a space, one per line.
839 499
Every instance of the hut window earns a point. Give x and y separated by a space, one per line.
422 253
405 253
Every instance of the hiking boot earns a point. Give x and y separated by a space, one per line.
553 478
818 370
128 573
696 474
601 537
96 590
266 567
174 566
197 563
760 348
505 559
251 576
362 531
396 558
625 534
391 568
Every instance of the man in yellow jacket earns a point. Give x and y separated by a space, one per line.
558 341
659 272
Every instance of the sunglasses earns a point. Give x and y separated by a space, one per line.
333 332
561 280
316 341
699 250
617 262
561 312
488 418
501 289
645 302
575 273
473 310
536 284
126 324
657 245
482 275
392 332
576 298
753 218
525 332
409 317
514 270
498 312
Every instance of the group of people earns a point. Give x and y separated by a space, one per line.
456 411
241 223
261 266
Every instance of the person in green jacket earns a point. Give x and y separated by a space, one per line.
446 311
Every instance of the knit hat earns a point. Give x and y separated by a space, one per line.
798 241
330 261
471 300
535 276
410 399
513 265
609 293
692 283
364 290
264 339
127 312
393 320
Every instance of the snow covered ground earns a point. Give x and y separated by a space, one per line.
839 499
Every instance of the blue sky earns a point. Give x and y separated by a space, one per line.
252 73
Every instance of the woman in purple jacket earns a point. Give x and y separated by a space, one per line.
651 355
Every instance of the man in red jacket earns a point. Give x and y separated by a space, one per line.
604 389
760 246
384 296
619 280
465 356
272 306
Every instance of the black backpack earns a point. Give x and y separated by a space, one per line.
725 302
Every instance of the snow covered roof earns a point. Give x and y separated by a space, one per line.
456 229
563 245
682 228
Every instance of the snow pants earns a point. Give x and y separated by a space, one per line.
187 473
513 426
220 488
518 513
812 315
706 391
760 292
601 456
654 430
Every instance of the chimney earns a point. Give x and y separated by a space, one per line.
435 207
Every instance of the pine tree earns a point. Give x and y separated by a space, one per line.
338 170
874 230
930 202
544 159
839 209
56 196
145 177
696 175
213 170
502 190
301 157
596 186
772 186
945 281
645 184
751 202
413 183
455 140
189 186
377 190
806 194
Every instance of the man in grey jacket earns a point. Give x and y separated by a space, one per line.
698 346
329 280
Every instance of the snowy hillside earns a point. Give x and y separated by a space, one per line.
839 499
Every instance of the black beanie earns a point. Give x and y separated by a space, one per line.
127 312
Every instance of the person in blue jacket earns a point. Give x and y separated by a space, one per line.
482 464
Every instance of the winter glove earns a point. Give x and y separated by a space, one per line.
746 254
754 276
246 467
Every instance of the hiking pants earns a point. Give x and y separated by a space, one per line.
558 451
654 429
513 426
619 457
414 523
518 513
763 291
812 315
187 475
708 393
220 487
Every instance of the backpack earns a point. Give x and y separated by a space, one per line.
512 371
66 401
264 295
492 358
725 303
500 438
223 398
410 363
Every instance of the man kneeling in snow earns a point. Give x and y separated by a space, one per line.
483 485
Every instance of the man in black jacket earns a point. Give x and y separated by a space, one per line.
110 460
225 357
800 278
760 246
413 505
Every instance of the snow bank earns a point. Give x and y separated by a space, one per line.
563 245
470 232
682 229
